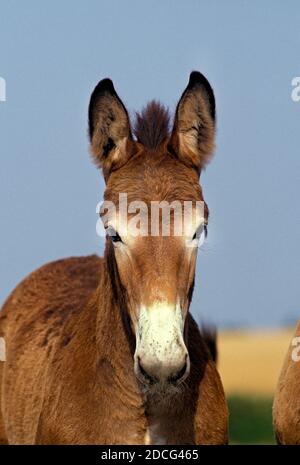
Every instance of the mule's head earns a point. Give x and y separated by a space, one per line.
153 268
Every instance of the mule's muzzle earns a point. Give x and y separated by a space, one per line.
161 356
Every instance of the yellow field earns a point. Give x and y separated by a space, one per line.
250 362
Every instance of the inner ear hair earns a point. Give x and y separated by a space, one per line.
194 126
109 128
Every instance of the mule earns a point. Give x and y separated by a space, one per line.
286 407
104 350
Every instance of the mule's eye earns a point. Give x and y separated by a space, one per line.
200 230
112 233
116 238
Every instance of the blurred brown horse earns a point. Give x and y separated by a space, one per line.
286 408
104 350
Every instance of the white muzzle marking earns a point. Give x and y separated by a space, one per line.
160 348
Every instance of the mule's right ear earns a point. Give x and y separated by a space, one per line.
109 128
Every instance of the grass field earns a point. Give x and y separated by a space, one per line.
249 365
250 420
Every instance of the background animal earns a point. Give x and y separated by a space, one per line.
286 407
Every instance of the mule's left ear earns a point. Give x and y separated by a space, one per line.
194 127
109 128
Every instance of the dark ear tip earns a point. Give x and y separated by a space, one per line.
105 85
195 78
198 79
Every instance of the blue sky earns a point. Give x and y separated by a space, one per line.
52 55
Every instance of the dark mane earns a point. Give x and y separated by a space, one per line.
151 126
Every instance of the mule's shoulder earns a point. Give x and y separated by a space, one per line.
84 271
53 290
71 266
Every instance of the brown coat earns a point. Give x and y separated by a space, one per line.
69 378
71 375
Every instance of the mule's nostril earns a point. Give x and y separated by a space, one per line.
149 378
179 375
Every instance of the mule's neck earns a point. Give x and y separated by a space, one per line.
114 336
